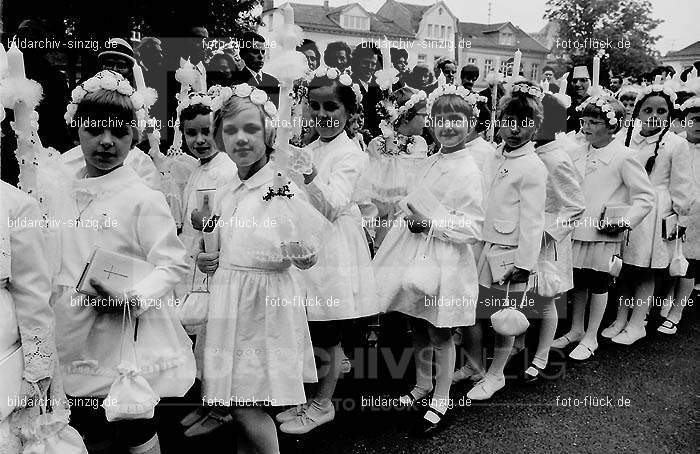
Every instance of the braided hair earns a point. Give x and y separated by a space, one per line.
649 166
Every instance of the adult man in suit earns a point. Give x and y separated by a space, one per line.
252 52
364 63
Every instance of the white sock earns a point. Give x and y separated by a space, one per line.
152 446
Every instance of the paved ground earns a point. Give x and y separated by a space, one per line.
652 387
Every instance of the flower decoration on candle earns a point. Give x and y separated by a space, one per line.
603 103
471 98
388 75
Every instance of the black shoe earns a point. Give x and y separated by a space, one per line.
532 375
426 428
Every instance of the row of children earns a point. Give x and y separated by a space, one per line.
443 225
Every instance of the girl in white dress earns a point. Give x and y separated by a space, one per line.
514 220
682 287
26 319
666 159
395 157
257 350
342 283
215 169
111 207
612 177
439 291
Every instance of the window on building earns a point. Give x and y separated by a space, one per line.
442 31
430 30
440 12
534 72
504 67
488 65
449 33
471 60
507 38
422 58
356 22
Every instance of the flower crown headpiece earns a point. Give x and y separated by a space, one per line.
112 81
657 88
193 98
220 95
528 90
690 103
604 105
343 78
449 89
391 113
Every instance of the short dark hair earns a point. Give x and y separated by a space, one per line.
397 53
247 39
333 48
547 68
469 70
308 44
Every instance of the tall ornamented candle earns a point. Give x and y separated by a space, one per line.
3 61
386 53
288 14
596 71
138 78
545 86
15 62
564 83
497 68
517 57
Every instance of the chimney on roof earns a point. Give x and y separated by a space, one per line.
325 4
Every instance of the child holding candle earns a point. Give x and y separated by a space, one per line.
343 279
612 177
666 159
427 265
133 220
257 350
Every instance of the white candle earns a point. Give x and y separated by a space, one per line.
564 83
15 62
386 53
693 72
516 63
288 14
3 61
545 86
658 80
138 77
596 71
497 68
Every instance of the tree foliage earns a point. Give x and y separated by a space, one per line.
626 21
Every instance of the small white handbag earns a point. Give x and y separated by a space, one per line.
509 321
423 275
679 264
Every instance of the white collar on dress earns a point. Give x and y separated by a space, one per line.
260 177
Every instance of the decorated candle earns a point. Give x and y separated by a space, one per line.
545 86
516 63
288 14
15 62
596 71
138 78
564 83
3 61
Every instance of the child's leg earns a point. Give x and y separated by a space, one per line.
258 430
684 288
445 356
472 337
643 297
139 436
547 329
579 299
423 357
599 283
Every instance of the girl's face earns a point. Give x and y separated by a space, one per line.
692 127
451 129
516 132
243 136
596 131
341 59
328 113
415 125
628 103
104 149
198 136
311 59
654 114
449 70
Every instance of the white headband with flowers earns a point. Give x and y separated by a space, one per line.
343 78
529 90
258 97
449 89
390 114
112 81
657 88
602 102
690 103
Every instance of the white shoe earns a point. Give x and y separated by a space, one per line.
486 387
467 372
307 421
629 335
668 327
582 352
291 413
566 339
611 331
